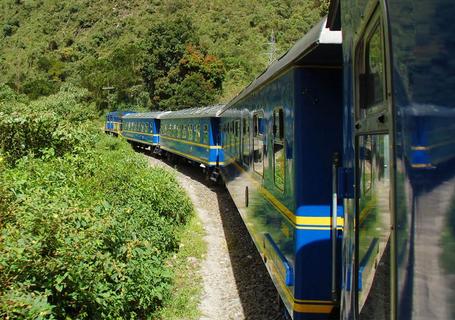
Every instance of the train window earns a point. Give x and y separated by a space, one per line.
371 76
231 137
197 135
190 132
374 221
258 143
206 134
185 132
246 141
237 137
179 131
278 148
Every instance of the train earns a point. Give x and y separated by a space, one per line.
340 157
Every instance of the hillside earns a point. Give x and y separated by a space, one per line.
147 52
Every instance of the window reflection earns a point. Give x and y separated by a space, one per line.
278 148
374 226
373 93
258 143
246 141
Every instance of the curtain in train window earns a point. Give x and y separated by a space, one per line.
231 136
190 132
198 133
278 148
206 134
237 138
258 142
246 141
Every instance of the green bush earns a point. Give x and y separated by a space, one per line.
87 235
56 124
86 226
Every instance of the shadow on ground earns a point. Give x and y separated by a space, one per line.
257 293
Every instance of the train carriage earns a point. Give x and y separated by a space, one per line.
193 134
113 124
279 137
142 128
399 153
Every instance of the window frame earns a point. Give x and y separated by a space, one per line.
259 136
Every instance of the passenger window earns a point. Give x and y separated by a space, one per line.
258 143
372 80
206 134
237 137
198 133
185 132
278 148
246 141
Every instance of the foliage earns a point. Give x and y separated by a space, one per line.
96 44
49 125
86 226
177 73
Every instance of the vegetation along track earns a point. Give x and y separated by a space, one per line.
235 281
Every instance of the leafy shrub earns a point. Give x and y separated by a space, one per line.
52 124
86 235
85 225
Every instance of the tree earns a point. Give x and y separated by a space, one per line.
176 71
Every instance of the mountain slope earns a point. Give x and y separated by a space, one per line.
44 43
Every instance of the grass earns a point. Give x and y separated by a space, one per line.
187 287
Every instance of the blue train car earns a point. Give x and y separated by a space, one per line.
113 123
279 137
398 174
193 134
142 129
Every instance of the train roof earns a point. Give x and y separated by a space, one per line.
320 46
204 112
146 115
119 113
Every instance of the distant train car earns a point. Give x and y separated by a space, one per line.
399 156
280 135
142 129
193 134
113 123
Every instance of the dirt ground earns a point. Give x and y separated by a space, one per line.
235 281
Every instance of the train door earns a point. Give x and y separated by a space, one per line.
374 174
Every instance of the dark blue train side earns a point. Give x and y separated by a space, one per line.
279 135
142 129
193 134
113 124
398 169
